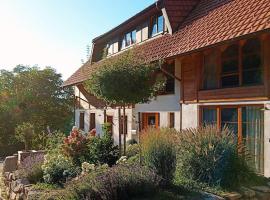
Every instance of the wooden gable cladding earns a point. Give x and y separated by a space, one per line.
191 66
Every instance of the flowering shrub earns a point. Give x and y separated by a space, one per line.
30 168
75 147
87 167
123 159
122 181
58 168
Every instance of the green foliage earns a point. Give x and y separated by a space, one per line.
101 150
159 152
54 140
35 96
132 141
116 183
57 168
125 79
25 133
133 150
209 156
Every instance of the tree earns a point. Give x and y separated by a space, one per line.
29 94
124 80
25 133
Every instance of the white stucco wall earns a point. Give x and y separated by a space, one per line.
267 141
164 104
99 113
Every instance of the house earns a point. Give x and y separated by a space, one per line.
217 55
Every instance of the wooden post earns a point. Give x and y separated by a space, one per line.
124 128
120 130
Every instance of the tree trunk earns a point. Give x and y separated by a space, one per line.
120 131
124 128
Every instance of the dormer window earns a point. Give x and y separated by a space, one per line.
128 39
156 25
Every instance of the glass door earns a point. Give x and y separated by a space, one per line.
253 135
229 118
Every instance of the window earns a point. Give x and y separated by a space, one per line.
247 123
170 81
128 39
252 66
240 65
92 121
230 67
210 78
209 116
156 25
171 120
81 122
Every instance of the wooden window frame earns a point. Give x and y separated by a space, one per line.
240 44
171 120
219 108
81 122
151 23
92 123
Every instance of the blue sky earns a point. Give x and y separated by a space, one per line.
55 32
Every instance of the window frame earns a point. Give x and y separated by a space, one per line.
82 121
151 26
219 108
241 70
123 39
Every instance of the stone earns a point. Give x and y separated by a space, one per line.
246 192
232 196
262 196
264 189
10 164
23 181
208 196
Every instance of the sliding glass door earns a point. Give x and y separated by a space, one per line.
247 123
253 134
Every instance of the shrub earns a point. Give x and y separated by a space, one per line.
132 141
159 153
25 133
101 150
133 150
58 168
116 183
54 140
207 155
75 147
31 169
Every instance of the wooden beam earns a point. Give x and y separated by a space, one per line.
169 74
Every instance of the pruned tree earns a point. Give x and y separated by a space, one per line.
126 79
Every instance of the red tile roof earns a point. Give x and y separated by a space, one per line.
211 22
